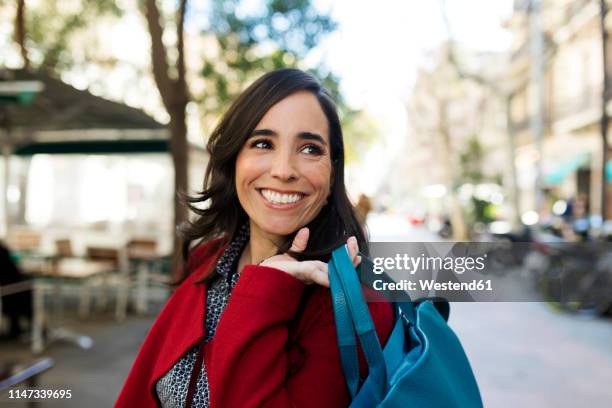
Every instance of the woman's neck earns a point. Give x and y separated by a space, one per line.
261 246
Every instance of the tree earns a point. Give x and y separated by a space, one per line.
492 84
279 34
174 93
360 132
20 32
430 110
43 33
471 160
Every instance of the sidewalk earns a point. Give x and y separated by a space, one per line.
528 355
95 376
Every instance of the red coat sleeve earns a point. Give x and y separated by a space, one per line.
259 358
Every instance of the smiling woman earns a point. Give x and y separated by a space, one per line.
281 136
253 325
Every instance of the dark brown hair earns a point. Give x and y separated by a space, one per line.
219 213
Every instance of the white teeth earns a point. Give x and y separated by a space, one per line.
278 198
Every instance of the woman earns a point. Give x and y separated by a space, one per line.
253 325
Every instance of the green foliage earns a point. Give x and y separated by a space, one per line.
471 161
52 24
360 131
279 34
481 211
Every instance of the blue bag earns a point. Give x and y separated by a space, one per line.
423 363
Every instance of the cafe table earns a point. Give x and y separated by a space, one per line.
51 275
147 262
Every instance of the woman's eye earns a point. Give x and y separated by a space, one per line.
312 149
261 144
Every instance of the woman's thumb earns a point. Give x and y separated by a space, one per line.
301 240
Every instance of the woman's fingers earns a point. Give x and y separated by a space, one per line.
301 240
306 271
318 273
353 249
310 272
315 272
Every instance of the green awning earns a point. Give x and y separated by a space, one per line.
94 147
609 171
565 168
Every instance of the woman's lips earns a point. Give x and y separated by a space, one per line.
281 201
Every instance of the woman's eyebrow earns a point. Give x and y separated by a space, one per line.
263 132
312 136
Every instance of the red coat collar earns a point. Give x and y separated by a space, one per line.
190 308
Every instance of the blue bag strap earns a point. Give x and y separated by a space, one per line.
346 333
406 308
364 326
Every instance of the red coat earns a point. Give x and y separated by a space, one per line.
275 345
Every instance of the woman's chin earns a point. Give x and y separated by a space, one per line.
280 229
281 232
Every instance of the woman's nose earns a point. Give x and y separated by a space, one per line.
283 167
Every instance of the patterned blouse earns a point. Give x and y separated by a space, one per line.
172 387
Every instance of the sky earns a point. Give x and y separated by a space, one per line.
378 48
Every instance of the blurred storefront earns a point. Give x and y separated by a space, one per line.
571 93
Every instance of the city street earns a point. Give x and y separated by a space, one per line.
525 354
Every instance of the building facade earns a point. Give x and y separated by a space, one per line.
563 75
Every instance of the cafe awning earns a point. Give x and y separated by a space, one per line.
566 167
63 119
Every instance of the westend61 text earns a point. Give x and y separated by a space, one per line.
431 284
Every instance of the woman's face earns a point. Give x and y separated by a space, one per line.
283 172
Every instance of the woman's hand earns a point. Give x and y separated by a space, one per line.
308 271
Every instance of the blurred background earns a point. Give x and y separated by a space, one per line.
463 120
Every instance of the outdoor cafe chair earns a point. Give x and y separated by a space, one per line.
23 239
149 270
117 280
65 260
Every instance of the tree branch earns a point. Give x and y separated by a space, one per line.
452 59
20 32
180 35
159 59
